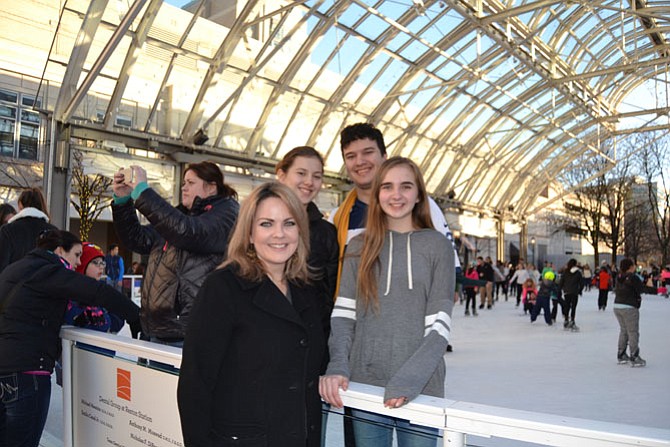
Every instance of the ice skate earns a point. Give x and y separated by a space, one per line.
571 326
637 362
623 359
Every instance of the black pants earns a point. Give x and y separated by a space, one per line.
602 298
470 297
554 307
570 306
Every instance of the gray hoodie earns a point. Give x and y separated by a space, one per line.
400 346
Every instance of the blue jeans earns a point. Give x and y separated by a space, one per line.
376 430
541 303
24 404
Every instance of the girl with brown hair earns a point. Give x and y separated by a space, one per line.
392 316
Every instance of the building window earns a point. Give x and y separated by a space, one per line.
124 121
19 125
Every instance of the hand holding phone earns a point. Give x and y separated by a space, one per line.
128 175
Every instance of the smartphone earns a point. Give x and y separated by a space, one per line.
128 175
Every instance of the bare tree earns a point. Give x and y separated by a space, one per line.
654 159
637 224
91 189
619 182
586 207
19 174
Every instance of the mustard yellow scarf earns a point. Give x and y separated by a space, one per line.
341 221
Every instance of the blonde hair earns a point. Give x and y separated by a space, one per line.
240 250
376 227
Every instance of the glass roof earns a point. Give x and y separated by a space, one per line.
492 98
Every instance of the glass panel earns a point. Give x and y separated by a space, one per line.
6 137
31 117
28 142
7 112
30 101
9 96
124 121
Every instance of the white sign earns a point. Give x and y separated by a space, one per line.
123 404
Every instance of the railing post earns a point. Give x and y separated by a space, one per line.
454 439
66 362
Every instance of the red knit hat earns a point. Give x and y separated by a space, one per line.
90 252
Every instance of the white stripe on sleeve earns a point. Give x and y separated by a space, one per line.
344 308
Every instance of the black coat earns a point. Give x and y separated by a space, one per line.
323 260
628 290
31 313
18 237
250 365
183 247
571 282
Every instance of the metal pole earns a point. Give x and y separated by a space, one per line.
453 439
66 360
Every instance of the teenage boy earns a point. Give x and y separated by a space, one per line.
364 151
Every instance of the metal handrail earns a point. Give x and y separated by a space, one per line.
457 419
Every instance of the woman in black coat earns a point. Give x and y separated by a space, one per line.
19 235
184 243
34 293
254 345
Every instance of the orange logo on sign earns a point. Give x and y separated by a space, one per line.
123 384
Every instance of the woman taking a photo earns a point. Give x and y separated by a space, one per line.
254 343
184 243
34 293
392 317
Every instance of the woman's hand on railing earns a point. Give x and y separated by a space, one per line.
329 388
395 402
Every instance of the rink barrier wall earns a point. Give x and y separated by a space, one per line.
457 419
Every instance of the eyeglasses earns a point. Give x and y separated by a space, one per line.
99 262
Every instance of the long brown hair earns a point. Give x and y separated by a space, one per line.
240 250
376 227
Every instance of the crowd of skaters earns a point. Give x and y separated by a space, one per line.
547 290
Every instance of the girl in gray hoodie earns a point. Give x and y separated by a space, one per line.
392 317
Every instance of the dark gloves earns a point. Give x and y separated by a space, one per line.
90 318
135 328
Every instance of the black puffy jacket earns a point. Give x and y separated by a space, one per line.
628 290
31 313
571 281
183 247
19 236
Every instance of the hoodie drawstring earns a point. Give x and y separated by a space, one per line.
410 279
390 267
409 262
